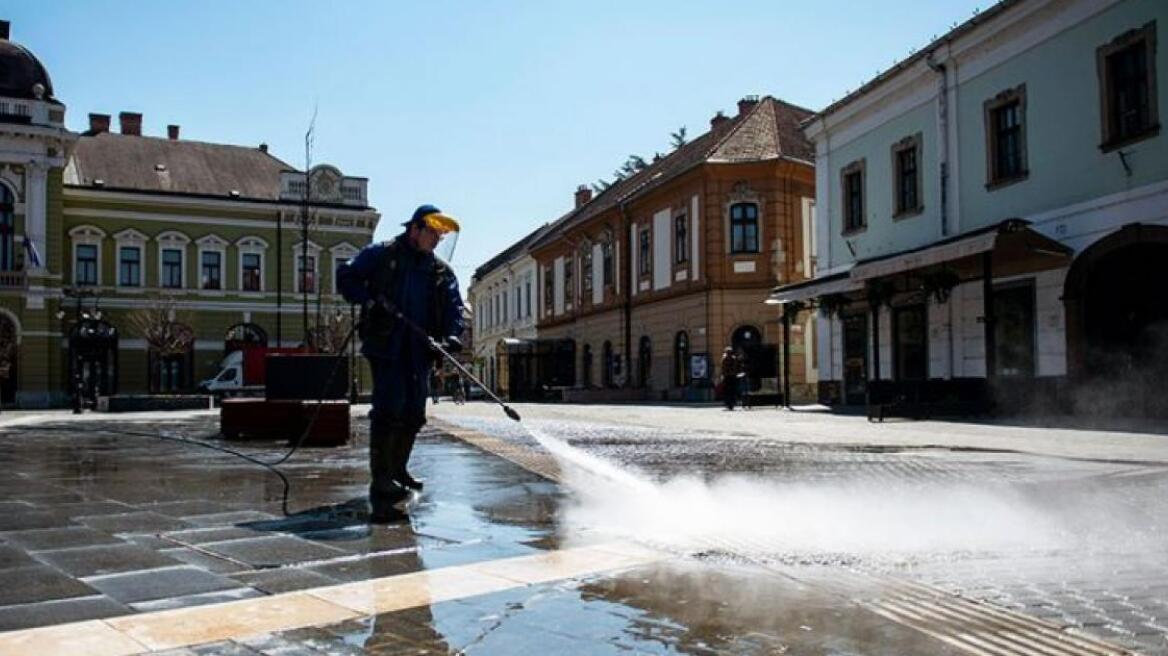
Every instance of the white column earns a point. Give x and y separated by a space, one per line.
36 210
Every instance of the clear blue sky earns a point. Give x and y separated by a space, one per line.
494 111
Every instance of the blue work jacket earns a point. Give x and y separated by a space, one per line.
419 284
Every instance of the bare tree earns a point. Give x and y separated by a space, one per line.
165 328
329 335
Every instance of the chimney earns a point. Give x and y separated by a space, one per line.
583 195
746 104
263 148
718 119
172 132
4 27
131 123
99 123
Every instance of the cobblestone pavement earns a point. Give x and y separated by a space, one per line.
1100 565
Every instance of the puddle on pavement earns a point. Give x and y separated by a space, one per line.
668 608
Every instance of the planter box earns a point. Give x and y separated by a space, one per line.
147 403
261 419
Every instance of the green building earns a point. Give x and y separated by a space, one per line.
131 263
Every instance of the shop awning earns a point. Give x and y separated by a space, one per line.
1015 246
837 283
1014 238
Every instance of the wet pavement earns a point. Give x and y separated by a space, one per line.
755 544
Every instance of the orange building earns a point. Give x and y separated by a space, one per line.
657 274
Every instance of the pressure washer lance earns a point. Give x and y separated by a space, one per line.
437 346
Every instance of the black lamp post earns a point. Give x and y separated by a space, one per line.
76 384
353 383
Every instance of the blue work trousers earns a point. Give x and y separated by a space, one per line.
400 389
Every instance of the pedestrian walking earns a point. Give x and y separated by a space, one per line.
459 391
436 383
731 366
402 277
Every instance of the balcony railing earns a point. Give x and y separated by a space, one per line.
13 280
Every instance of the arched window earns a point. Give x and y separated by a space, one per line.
681 359
607 374
680 243
243 335
586 366
7 230
744 228
644 360
746 337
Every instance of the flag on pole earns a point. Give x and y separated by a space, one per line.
34 256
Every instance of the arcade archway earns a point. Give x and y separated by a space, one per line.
1117 322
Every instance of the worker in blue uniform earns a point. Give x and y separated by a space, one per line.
406 294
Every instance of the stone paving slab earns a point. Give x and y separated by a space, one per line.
30 519
105 559
11 557
159 584
43 539
273 551
133 522
38 582
202 560
47 613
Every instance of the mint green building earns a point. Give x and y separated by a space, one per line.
103 232
992 216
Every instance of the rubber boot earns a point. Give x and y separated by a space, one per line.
384 491
403 441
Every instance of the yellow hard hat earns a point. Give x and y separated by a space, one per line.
433 217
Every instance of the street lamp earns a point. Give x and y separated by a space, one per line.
77 383
74 374
353 382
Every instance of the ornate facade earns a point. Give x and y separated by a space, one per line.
108 240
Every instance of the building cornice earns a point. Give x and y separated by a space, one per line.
164 199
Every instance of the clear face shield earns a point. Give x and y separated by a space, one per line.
446 229
446 245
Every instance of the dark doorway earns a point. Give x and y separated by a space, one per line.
910 343
855 358
93 359
1014 328
759 360
607 365
586 367
1117 324
9 356
681 359
644 360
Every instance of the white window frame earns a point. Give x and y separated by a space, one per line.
86 235
130 238
314 253
173 239
213 244
251 246
341 251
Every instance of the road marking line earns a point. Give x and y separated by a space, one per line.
233 620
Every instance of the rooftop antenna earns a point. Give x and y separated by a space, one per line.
302 270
